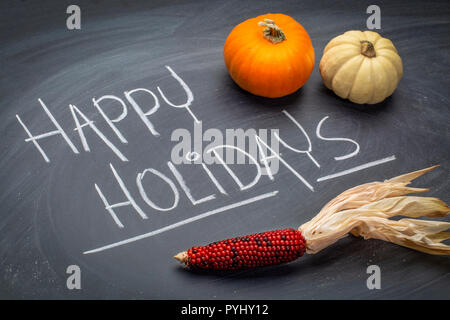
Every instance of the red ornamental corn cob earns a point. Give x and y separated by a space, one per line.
364 210
256 250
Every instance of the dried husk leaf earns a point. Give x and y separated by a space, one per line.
365 211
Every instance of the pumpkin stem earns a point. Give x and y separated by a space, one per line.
272 32
368 49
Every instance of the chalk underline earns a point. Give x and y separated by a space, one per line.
357 168
183 222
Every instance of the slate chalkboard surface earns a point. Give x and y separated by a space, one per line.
52 215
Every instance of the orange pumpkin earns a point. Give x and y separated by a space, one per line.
270 55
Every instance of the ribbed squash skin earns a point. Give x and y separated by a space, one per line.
269 69
354 76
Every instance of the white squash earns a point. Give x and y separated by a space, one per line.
361 66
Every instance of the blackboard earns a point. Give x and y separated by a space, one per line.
52 216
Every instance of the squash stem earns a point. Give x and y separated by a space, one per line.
272 32
368 49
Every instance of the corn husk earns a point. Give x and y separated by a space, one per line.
366 210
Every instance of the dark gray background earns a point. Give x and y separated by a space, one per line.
50 213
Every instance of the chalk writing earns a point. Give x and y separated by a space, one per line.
250 147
